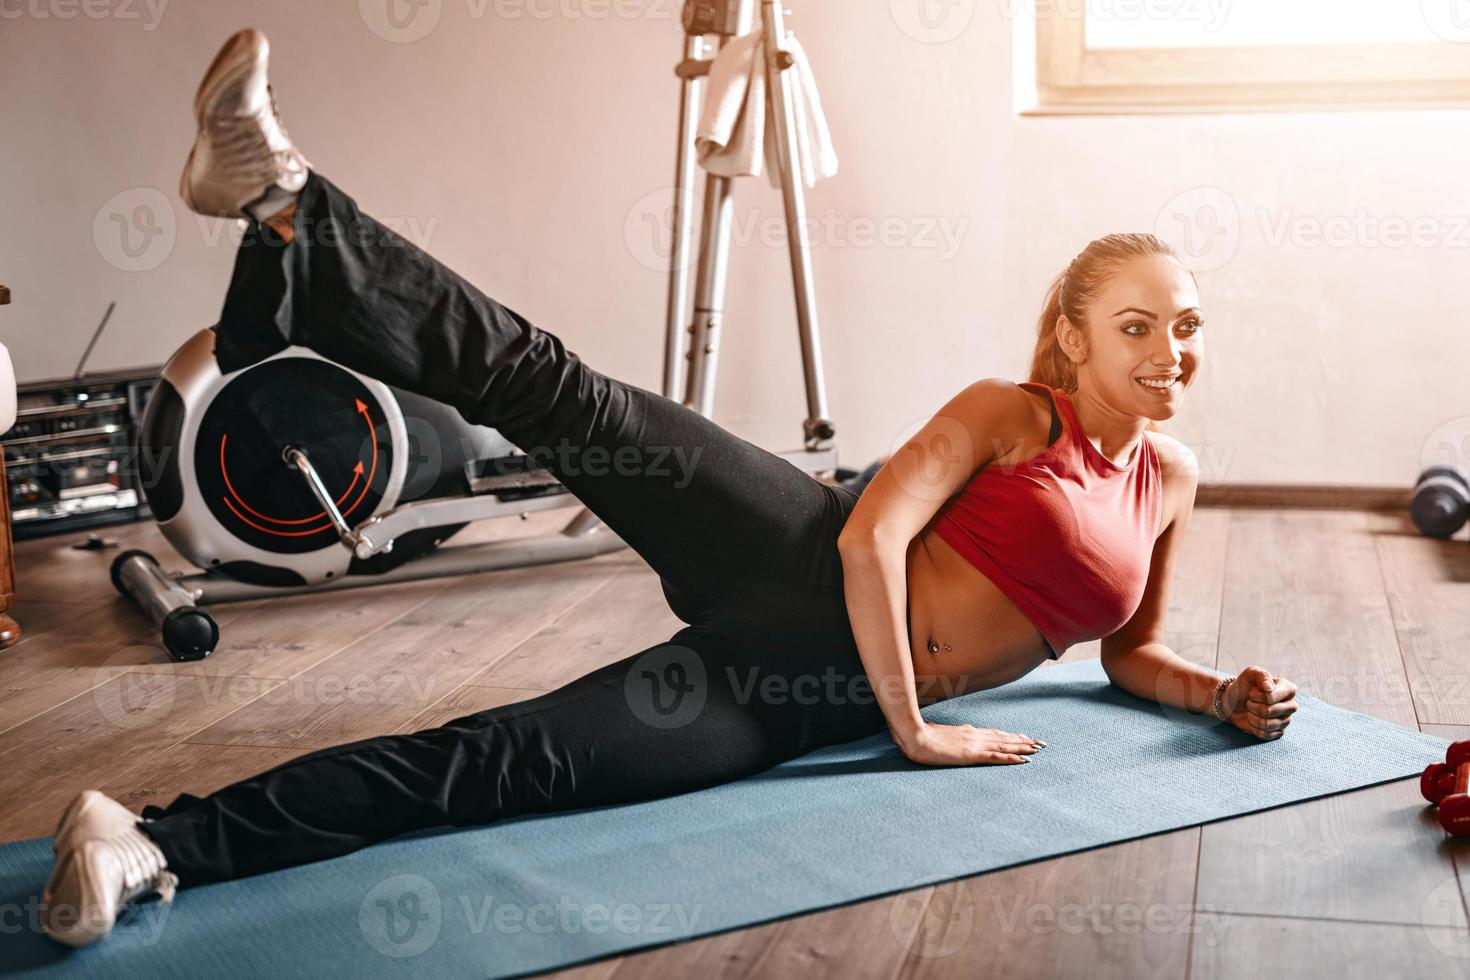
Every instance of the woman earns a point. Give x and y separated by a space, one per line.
813 619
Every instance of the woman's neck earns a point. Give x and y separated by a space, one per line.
1116 433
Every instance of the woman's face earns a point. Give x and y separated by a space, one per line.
1145 326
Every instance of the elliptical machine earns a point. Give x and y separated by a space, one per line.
296 474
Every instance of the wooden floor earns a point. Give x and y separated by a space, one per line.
1353 606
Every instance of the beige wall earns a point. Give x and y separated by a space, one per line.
529 143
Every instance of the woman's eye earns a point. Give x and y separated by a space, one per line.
1135 323
1194 325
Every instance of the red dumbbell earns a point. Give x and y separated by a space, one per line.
1454 809
1438 780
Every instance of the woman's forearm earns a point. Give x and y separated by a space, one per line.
1155 672
875 583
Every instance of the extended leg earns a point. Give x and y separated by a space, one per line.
679 716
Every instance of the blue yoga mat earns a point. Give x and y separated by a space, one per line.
842 824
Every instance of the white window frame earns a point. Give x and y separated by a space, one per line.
1073 79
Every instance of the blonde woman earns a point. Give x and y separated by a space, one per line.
1020 520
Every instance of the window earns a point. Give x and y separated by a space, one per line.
1097 56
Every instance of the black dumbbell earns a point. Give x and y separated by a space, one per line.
1441 501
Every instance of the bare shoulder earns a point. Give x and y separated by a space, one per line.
1002 402
1176 460
1179 470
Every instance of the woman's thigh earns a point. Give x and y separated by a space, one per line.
695 711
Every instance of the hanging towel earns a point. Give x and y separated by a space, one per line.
732 140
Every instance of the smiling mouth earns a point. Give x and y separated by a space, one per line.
1158 384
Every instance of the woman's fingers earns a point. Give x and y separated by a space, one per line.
1282 709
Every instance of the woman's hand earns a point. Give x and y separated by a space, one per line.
1261 703
965 745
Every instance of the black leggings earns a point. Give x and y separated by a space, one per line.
743 541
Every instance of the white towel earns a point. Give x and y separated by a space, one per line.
731 139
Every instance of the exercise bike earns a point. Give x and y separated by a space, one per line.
296 474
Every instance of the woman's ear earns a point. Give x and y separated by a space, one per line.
1072 339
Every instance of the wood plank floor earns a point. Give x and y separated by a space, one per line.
1354 606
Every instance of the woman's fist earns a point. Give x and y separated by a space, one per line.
1261 703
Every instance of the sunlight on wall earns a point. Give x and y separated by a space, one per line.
1208 23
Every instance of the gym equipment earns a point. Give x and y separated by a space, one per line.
1447 785
811 833
857 481
1437 780
296 474
1441 502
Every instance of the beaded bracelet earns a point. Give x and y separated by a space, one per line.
1219 705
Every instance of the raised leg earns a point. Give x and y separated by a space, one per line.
712 513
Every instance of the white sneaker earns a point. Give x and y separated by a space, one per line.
242 152
103 863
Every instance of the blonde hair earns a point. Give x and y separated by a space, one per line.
1072 290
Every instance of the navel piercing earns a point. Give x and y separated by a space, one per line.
934 647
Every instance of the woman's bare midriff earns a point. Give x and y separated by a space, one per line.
983 640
